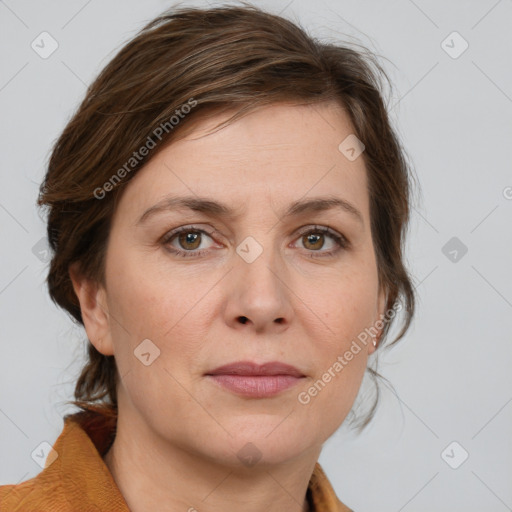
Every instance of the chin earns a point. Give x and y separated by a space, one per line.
263 443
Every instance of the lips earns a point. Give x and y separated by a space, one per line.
251 380
248 368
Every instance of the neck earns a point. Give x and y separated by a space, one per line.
156 475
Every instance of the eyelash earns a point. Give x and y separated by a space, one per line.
340 240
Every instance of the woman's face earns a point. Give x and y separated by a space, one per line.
252 277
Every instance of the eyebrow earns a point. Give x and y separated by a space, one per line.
216 209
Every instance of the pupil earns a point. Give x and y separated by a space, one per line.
189 238
313 239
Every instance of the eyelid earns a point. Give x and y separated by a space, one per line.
169 234
323 229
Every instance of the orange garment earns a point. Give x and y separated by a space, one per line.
78 480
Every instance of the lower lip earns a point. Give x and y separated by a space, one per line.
256 386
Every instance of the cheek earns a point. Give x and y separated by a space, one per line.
146 302
145 307
346 306
347 312
329 395
170 310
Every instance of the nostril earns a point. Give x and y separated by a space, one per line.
243 319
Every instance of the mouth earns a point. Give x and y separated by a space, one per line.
252 380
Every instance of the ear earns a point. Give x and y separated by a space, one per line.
379 322
93 305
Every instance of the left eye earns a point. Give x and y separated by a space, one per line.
314 239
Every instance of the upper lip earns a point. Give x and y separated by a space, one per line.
250 368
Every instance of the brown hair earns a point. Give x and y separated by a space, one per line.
213 60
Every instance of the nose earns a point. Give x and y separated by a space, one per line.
259 297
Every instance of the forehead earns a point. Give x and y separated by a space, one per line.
282 152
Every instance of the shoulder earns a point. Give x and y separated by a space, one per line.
74 477
38 493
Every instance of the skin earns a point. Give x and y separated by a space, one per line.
178 433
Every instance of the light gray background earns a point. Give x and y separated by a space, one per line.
451 372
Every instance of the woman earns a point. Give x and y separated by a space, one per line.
227 209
